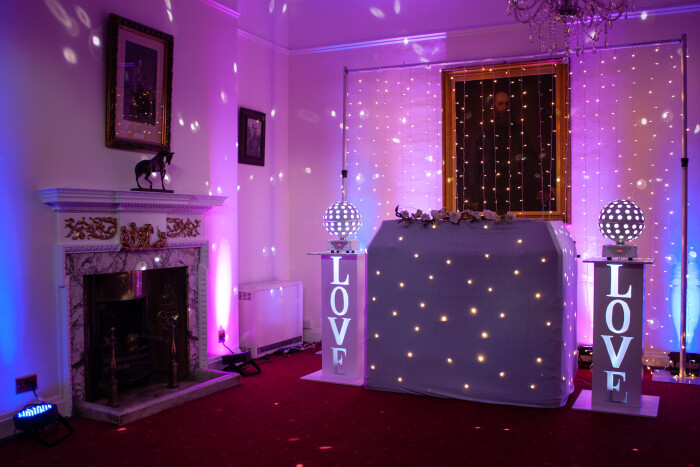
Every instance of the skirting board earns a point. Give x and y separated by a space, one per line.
336 379
649 408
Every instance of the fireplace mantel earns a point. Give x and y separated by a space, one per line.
98 219
82 200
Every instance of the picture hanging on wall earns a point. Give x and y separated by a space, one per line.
506 138
139 86
251 137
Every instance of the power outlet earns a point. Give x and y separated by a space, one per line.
25 383
222 336
307 324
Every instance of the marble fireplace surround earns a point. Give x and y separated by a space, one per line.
101 231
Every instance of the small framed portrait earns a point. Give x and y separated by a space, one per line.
139 86
251 137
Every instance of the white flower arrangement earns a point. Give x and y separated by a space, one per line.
454 217
489 215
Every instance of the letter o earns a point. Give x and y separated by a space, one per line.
609 316
345 301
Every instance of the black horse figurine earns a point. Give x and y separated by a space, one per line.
148 167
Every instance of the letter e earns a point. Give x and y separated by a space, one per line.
338 360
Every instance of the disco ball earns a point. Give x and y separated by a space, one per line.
342 219
621 221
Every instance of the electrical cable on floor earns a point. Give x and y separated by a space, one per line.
232 352
309 345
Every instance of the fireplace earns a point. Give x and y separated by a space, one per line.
136 322
90 272
132 277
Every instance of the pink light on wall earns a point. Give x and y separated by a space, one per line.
222 313
223 285
218 143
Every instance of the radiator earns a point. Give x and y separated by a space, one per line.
270 316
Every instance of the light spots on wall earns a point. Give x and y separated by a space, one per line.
70 55
83 17
377 12
63 17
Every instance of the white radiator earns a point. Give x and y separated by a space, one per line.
270 316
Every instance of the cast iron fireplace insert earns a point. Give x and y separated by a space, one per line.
140 316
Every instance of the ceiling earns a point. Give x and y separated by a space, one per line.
303 24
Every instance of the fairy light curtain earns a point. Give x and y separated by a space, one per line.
394 143
625 144
626 132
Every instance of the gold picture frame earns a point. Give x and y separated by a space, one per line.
139 86
506 139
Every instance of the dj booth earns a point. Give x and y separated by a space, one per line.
482 311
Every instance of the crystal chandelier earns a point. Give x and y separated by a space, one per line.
579 17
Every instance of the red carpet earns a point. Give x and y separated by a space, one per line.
276 419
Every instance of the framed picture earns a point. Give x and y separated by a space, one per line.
139 86
506 139
251 137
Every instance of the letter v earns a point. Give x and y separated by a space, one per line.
616 358
340 336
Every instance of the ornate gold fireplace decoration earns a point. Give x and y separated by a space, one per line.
139 238
98 228
181 228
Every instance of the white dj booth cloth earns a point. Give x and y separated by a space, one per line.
481 311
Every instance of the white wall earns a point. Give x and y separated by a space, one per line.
52 135
315 136
263 199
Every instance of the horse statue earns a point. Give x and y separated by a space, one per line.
148 167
